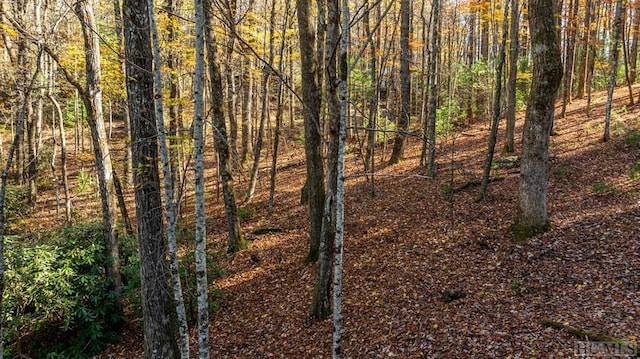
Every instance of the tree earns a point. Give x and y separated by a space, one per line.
532 217
320 304
311 95
433 92
220 136
169 185
159 332
405 82
513 76
198 154
617 29
495 121
92 99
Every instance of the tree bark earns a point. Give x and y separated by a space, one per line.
159 332
617 29
92 99
405 82
532 217
220 136
509 146
321 302
572 25
311 97
495 121
433 83
169 185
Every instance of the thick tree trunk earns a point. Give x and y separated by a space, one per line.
159 331
532 214
311 97
220 136
405 82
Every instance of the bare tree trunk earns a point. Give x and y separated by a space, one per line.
405 83
321 302
247 94
513 75
617 27
63 159
337 269
572 29
633 51
159 332
547 75
235 239
279 110
311 96
369 163
495 121
198 161
171 203
433 95
92 98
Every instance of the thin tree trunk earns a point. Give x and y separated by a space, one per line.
495 121
433 95
369 162
625 50
572 26
198 161
311 95
266 74
235 239
92 98
279 110
247 94
617 25
63 159
169 185
633 52
405 83
509 146
321 302
337 269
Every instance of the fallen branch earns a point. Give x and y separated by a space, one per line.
585 334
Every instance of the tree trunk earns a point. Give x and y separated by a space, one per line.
509 146
572 26
63 159
198 161
405 82
169 185
159 332
279 110
247 94
633 51
320 304
311 97
337 269
235 239
617 27
495 121
433 82
92 99
547 75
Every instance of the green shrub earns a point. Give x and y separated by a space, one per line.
57 301
16 202
602 188
632 138
634 172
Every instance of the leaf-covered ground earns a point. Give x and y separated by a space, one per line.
431 273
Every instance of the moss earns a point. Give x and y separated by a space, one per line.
522 232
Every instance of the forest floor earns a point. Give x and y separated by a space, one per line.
429 272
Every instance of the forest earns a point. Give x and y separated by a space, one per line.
311 179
